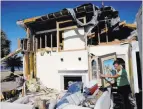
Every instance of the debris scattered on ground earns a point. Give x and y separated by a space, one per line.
42 97
32 85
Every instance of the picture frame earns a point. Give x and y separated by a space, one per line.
106 67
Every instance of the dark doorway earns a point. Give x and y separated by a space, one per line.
139 95
139 70
72 79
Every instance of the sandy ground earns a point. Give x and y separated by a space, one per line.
4 74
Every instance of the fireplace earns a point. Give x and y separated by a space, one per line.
68 79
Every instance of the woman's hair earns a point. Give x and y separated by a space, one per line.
117 62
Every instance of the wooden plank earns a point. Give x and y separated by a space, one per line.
47 49
65 21
27 43
31 65
113 43
84 20
35 71
68 28
73 50
28 33
122 23
31 19
133 26
46 31
40 42
71 27
45 40
57 25
34 43
70 20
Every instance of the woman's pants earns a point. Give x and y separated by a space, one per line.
125 91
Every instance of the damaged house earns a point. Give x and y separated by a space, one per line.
68 46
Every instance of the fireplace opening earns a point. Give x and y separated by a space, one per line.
68 79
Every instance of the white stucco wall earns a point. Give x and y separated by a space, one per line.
74 39
135 48
107 49
50 68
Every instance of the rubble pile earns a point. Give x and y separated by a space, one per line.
36 92
42 97
32 85
78 96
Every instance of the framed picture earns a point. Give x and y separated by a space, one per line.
106 67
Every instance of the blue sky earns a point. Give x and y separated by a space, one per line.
16 10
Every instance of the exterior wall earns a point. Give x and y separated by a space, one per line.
74 39
135 49
50 69
107 49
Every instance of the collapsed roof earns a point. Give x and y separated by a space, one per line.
87 10
97 20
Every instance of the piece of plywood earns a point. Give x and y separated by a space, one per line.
57 25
